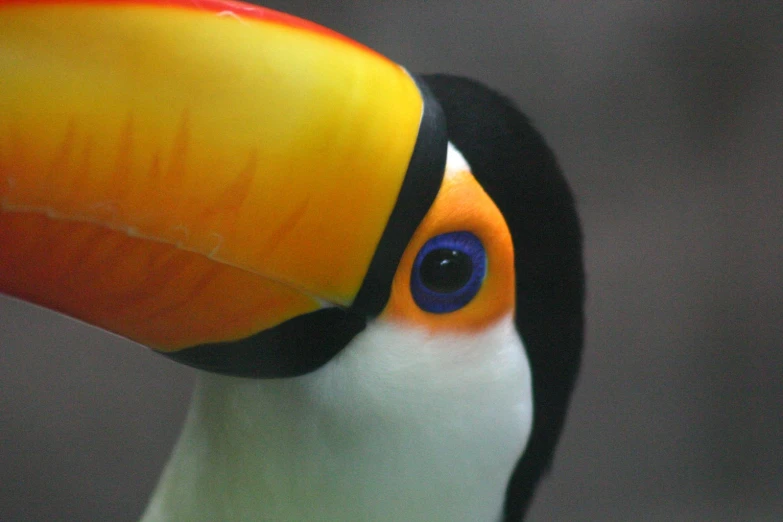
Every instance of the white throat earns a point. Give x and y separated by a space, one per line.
401 425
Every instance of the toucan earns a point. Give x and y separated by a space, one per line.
377 274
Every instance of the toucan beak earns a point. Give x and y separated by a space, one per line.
183 173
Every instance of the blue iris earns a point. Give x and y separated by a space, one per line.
448 272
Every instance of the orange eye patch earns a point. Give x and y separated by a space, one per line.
461 206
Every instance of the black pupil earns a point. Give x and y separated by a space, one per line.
445 270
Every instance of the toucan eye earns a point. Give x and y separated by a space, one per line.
448 272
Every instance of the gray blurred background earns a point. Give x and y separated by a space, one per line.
667 119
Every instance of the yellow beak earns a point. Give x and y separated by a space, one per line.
186 175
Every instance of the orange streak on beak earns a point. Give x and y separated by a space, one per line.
148 291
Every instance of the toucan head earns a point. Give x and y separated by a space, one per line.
245 192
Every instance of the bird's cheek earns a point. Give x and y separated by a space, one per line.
461 206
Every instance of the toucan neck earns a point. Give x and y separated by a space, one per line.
358 439
230 457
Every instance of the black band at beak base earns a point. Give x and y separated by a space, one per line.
419 188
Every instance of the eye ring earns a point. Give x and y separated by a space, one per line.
448 272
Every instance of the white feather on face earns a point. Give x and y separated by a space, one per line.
401 425
455 161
